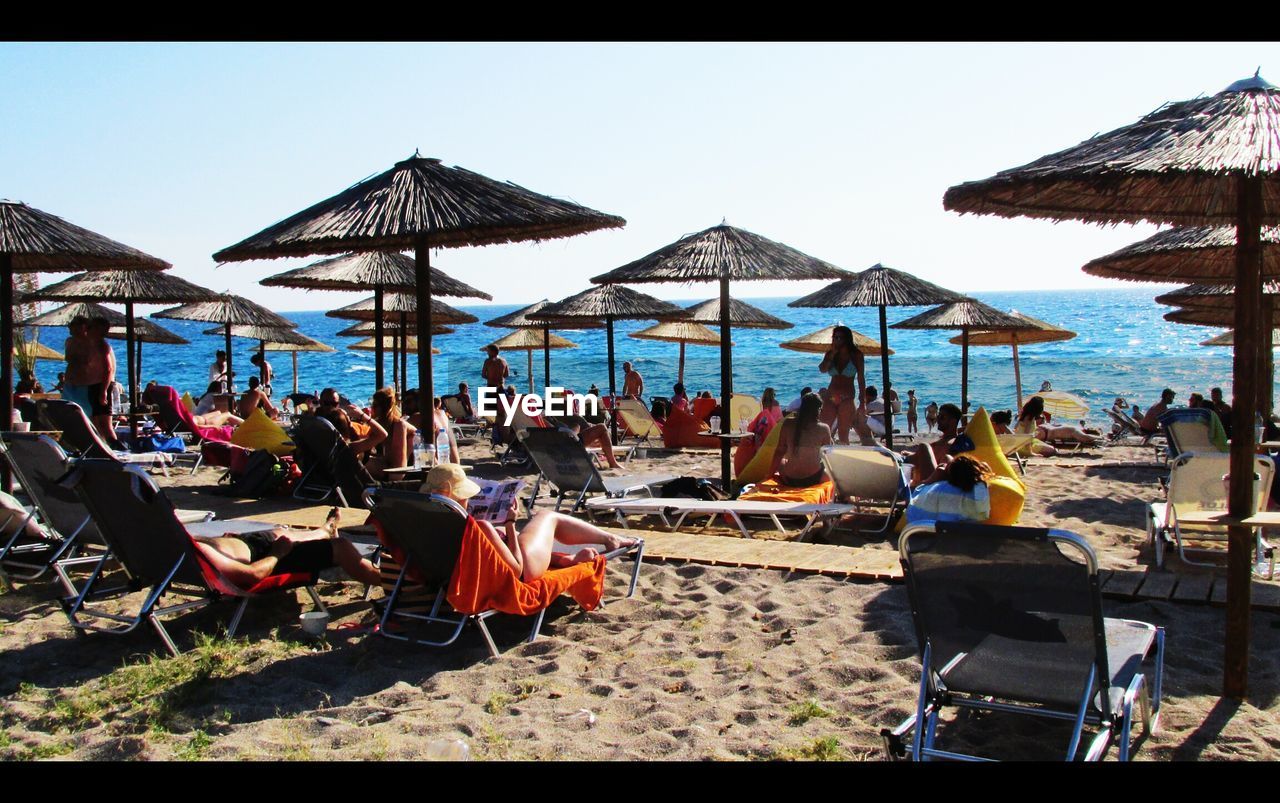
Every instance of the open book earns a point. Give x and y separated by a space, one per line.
494 498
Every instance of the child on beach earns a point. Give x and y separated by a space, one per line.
913 404
931 415
961 495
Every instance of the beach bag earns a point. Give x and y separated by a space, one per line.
693 488
159 442
262 475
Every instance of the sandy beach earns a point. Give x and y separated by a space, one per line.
705 662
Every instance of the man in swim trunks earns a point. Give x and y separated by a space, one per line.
253 398
632 382
1150 423
495 372
100 373
246 559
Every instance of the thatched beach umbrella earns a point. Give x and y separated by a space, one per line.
520 319
32 241
379 271
1033 331
741 315
275 338
1207 161
421 204
723 254
1229 339
144 330
608 303
879 286
395 334
39 351
404 306
228 310
368 344
682 332
527 340
127 287
966 315
818 342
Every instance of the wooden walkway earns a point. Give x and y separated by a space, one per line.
854 563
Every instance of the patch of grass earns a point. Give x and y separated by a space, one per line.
48 750
498 702
803 712
196 746
494 744
527 688
826 748
697 623
5 740
375 748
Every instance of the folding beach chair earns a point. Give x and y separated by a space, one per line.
1010 619
1192 429
463 431
38 463
1198 483
735 510
328 466
563 462
639 422
1125 426
141 530
515 454
428 529
1013 444
80 436
874 474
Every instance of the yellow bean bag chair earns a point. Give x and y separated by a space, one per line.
1008 491
259 432
761 464
188 402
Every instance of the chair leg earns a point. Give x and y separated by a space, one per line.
488 637
635 572
235 620
537 626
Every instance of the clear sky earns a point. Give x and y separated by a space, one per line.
840 150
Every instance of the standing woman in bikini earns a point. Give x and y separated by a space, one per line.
844 406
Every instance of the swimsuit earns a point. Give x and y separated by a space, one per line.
834 371
804 482
306 557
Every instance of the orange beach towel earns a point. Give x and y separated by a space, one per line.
482 581
771 490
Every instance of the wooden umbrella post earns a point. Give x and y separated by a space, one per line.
546 357
131 369
422 288
1240 500
613 388
396 347
227 332
6 343
726 384
529 354
138 348
377 337
884 369
1266 361
964 375
294 354
404 353
1017 372
680 373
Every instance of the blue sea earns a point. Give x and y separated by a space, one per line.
1124 348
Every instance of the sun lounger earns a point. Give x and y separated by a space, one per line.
81 436
1126 426
564 464
1010 619
869 474
638 421
1192 429
429 534
1197 485
678 509
327 464
1013 444
463 431
143 532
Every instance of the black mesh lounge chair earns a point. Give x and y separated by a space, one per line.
429 529
567 467
155 551
38 463
328 466
80 437
1010 619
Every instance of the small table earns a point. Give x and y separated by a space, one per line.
1221 517
731 436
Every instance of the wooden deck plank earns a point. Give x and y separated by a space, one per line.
1159 584
1124 584
1193 588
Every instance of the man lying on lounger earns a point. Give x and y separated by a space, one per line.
246 559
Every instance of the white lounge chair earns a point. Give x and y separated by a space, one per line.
569 471
679 509
638 421
869 474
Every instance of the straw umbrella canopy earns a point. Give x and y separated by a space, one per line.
145 331
228 310
421 204
1034 331
609 303
1211 160
818 342
368 344
395 334
741 315
527 340
379 271
520 319
34 241
1200 254
275 338
128 287
39 351
1229 339
966 315
723 254
682 332
881 287
369 329
405 307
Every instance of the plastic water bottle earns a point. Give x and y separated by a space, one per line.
448 750
442 446
419 449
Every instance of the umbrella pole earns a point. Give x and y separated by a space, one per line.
964 375
546 356
884 369
1240 499
6 360
1266 363
294 354
404 354
422 269
680 373
530 355
726 385
377 336
613 388
1017 372
227 332
132 366
395 359
139 362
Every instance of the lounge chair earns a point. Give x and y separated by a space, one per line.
429 531
1125 426
566 466
174 418
1192 429
743 408
869 474
1197 483
639 422
667 508
328 466
1013 444
142 531
463 432
1010 619
80 436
